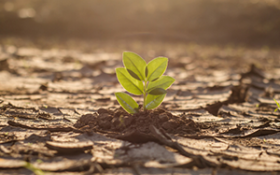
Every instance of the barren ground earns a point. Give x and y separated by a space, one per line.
58 111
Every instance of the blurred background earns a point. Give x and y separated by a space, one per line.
248 22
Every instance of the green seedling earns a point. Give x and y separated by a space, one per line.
32 168
278 106
140 78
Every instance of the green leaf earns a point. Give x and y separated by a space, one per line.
156 68
277 103
127 102
128 82
163 82
32 168
155 79
158 91
153 101
133 74
135 63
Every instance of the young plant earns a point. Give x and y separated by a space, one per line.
140 78
278 105
32 168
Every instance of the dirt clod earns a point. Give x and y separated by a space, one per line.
103 111
170 124
104 120
87 119
128 120
163 117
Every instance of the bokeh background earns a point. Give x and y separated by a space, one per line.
248 22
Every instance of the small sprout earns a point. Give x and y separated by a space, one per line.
140 78
35 170
39 161
278 106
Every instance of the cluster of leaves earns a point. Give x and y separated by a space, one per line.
140 78
278 105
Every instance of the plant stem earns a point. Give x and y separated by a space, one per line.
144 95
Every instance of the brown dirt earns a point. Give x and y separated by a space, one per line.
58 112
123 122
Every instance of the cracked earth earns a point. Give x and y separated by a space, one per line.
58 112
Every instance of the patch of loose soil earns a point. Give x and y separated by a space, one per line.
122 122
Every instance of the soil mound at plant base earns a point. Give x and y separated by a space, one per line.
119 121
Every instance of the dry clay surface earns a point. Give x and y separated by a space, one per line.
58 112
